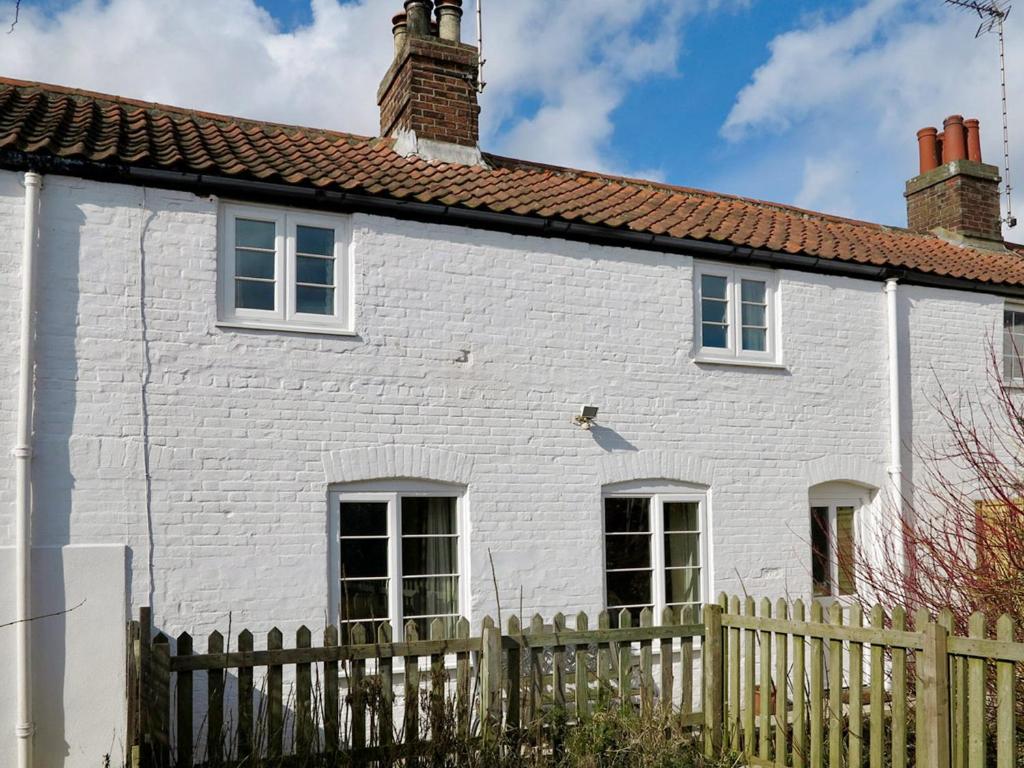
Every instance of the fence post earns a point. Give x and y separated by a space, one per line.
490 682
935 695
714 681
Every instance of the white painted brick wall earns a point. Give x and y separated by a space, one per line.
242 424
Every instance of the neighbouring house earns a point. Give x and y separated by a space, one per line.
291 376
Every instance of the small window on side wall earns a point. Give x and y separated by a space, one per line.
1013 344
834 548
284 269
736 315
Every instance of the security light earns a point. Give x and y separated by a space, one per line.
588 413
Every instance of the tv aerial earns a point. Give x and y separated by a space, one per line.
993 14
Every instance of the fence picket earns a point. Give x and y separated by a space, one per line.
462 713
714 681
689 616
514 683
490 680
646 665
411 704
332 722
835 690
666 659
733 677
817 696
899 694
438 680
921 620
977 725
184 705
625 661
357 690
303 696
1006 736
781 687
957 696
244 747
877 680
604 662
749 641
935 681
582 695
215 704
386 728
558 666
275 704
160 713
799 688
855 748
764 700
536 674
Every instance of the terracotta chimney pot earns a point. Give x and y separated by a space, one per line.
928 147
400 29
973 140
954 144
418 12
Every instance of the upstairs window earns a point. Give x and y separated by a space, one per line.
735 315
1013 343
284 269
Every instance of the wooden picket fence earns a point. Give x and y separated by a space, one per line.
355 699
783 687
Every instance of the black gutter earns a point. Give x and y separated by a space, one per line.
436 213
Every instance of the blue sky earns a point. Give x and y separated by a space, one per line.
813 103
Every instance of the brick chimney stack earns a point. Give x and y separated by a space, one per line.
428 98
955 191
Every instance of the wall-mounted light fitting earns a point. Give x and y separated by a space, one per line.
588 413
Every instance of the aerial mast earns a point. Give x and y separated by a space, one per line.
993 14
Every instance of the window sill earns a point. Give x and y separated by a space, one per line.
252 325
739 362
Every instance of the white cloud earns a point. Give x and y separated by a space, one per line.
842 98
569 62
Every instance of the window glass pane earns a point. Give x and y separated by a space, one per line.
714 336
311 270
364 599
254 264
430 556
250 233
713 311
361 558
754 314
755 339
628 551
315 241
682 585
433 516
682 516
423 625
627 515
753 291
314 301
682 549
364 518
434 596
713 286
821 552
628 588
846 550
254 295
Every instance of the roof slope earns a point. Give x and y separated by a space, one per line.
51 120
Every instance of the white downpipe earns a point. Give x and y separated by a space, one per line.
895 429
23 462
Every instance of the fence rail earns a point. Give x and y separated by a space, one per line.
782 684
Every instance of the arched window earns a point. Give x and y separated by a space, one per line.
655 546
836 512
397 555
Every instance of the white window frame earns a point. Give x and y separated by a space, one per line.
733 353
1013 381
391 493
833 502
658 496
285 316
